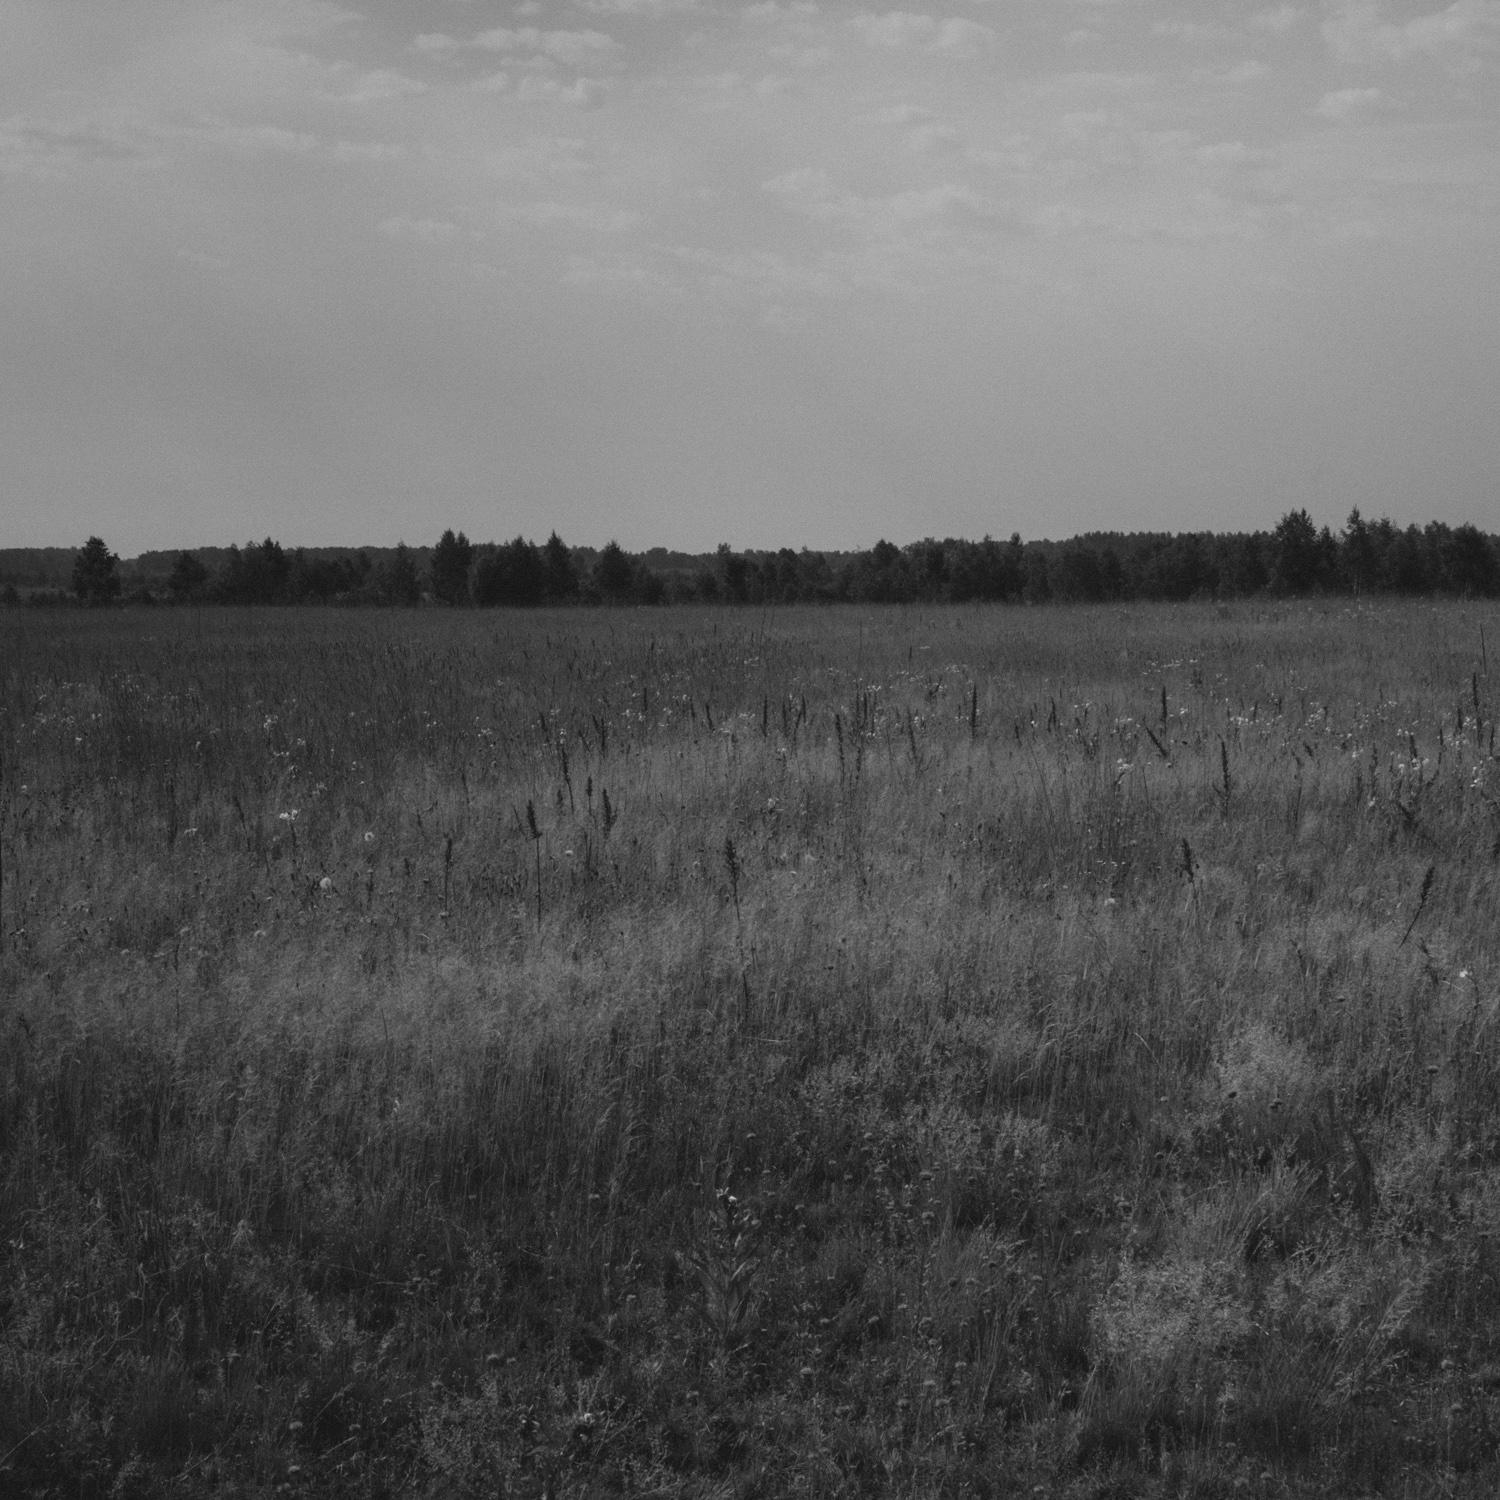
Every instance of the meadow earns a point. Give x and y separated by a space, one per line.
909 1051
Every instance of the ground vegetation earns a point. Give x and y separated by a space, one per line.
915 1051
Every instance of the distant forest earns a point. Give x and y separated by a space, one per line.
1297 558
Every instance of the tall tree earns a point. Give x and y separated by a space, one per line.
613 574
557 560
257 575
450 568
94 578
511 574
1295 554
187 579
396 580
1357 555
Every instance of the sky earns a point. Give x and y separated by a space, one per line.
679 272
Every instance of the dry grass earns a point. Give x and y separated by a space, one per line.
919 1052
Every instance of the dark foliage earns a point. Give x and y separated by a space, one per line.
613 574
257 575
396 580
188 579
1295 559
450 568
95 580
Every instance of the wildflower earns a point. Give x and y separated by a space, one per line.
369 837
288 817
326 883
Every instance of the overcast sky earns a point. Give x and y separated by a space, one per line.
684 271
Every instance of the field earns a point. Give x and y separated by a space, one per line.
826 1052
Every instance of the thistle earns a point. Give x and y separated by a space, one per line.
536 844
732 864
1421 904
723 1264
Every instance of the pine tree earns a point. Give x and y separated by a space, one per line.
450 568
94 578
187 579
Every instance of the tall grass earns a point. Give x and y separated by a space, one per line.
1081 1073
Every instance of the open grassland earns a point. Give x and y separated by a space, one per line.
930 1051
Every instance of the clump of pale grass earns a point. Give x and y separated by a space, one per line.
1269 1087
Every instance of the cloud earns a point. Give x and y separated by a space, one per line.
1232 154
567 47
617 274
927 133
49 148
803 184
926 139
1089 82
803 57
203 260
761 273
424 231
769 10
1279 19
1344 104
1196 32
379 85
584 93
900 29
589 217
1251 70
250 141
962 38
1459 36
637 7
808 191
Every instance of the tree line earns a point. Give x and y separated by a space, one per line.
1296 558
